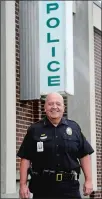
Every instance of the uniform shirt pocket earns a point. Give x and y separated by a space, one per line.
71 144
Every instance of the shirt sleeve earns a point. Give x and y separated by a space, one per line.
25 150
84 147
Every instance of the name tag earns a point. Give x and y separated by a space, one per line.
43 138
40 147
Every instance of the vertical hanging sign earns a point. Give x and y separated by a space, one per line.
51 46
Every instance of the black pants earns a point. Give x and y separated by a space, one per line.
50 189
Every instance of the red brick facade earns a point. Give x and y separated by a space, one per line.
98 102
28 112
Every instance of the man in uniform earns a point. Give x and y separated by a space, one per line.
55 149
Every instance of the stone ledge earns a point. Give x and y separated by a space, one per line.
13 195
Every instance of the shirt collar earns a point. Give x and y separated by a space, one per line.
47 121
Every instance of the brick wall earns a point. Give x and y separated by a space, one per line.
27 112
98 102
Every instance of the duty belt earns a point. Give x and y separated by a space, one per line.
62 175
59 176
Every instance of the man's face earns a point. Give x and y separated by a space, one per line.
54 106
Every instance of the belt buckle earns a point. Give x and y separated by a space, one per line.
59 177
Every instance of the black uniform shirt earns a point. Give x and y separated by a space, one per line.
63 145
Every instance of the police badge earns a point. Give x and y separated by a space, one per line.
69 131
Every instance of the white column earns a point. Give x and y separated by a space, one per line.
8 98
69 68
97 16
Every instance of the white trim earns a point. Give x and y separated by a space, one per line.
92 94
69 70
8 103
97 16
74 7
98 3
10 98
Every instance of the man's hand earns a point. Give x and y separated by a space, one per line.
86 167
87 188
24 191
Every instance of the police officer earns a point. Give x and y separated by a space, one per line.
55 149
